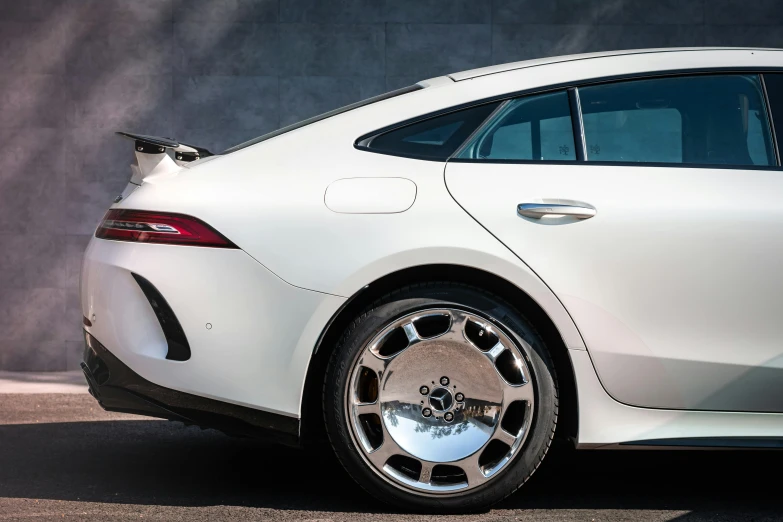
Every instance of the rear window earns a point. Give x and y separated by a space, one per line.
434 138
335 112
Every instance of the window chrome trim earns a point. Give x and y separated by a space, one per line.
491 119
578 124
770 121
479 129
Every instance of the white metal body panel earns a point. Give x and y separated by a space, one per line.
370 195
261 330
273 182
271 204
606 422
674 284
274 209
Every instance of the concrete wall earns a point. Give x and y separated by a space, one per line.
218 73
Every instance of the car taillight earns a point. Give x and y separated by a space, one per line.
159 227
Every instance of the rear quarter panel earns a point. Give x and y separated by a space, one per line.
270 200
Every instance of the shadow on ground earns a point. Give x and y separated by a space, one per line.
162 463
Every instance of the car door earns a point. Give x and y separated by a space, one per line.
657 220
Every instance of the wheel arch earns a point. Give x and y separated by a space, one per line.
312 428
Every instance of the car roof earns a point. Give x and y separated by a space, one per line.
495 69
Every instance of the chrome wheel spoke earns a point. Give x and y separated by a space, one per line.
385 451
504 437
458 321
457 328
425 476
373 362
522 392
470 465
411 333
364 408
496 351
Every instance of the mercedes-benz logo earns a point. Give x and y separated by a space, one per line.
441 399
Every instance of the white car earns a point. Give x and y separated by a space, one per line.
445 278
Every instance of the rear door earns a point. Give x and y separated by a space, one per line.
665 245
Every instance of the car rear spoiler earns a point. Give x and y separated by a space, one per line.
153 158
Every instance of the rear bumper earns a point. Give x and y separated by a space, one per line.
118 388
247 336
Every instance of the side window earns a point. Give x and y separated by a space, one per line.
530 128
709 120
435 138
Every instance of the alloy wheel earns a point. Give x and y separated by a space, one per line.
440 401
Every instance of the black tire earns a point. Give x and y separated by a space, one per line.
407 300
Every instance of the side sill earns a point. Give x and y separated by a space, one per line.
118 388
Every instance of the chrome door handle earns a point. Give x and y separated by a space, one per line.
539 210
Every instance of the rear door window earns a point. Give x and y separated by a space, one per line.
705 119
533 128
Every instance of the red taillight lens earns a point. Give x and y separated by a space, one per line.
159 227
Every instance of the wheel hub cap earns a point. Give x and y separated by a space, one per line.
433 438
441 400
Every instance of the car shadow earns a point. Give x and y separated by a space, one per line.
154 462
710 485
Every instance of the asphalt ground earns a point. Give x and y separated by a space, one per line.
62 457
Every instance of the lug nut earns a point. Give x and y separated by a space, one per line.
459 397
424 390
448 417
444 381
426 412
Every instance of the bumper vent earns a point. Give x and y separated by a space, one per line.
179 349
